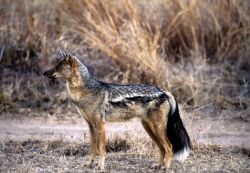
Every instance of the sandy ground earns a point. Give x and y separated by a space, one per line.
212 130
36 144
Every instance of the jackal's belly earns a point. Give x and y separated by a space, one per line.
125 111
124 114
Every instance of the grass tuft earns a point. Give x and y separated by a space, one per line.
61 156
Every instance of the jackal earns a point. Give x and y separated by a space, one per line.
99 102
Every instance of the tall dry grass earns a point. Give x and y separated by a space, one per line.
141 30
28 34
179 45
199 50
119 30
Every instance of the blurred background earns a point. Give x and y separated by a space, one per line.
198 50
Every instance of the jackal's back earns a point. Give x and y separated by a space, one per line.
121 93
129 101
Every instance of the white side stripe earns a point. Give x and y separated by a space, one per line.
125 96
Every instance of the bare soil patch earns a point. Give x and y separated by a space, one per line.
230 130
52 145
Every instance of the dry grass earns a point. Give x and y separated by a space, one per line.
188 47
197 49
128 154
119 30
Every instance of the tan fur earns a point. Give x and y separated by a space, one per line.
99 102
154 122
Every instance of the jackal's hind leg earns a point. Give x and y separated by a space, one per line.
169 153
161 135
154 138
93 146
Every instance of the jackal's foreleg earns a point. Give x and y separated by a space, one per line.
93 146
101 142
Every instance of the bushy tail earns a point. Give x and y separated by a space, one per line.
177 133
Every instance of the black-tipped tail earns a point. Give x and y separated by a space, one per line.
177 133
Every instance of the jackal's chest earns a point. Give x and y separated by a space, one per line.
76 95
88 108
87 105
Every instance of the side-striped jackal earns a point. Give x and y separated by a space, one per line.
99 102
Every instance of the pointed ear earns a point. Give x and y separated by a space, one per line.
72 62
64 54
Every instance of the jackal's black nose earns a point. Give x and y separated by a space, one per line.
48 74
45 73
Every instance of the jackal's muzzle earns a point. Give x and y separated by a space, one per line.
49 74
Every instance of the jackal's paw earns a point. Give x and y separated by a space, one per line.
100 169
156 166
89 164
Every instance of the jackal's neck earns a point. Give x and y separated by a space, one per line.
82 85
82 79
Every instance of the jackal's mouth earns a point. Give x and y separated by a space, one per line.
49 74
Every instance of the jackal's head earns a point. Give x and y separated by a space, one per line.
66 67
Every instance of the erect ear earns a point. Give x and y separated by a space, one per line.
69 58
72 62
65 55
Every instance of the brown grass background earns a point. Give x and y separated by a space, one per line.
199 50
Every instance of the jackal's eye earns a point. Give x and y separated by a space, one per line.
64 61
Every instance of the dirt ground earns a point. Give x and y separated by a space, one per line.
61 145
227 129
